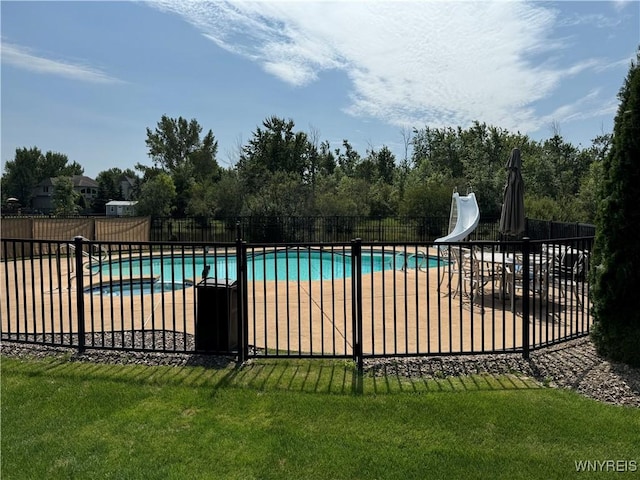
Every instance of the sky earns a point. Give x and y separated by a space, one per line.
88 78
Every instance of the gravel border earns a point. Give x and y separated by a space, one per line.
574 364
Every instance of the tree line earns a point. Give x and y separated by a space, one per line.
283 171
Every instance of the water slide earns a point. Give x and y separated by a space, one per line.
466 215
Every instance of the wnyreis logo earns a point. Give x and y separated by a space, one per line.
606 465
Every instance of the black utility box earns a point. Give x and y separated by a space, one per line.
216 315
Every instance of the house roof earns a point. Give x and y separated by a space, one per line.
77 180
82 181
47 182
131 181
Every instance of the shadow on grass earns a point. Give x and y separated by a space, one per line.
341 377
323 376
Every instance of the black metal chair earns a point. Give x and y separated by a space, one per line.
567 271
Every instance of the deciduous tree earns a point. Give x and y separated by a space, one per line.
21 175
176 148
64 198
275 147
55 164
29 167
157 196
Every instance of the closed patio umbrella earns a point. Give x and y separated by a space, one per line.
512 221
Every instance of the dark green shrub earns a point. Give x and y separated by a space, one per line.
616 276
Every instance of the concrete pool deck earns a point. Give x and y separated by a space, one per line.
403 312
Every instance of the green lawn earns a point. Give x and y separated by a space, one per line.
300 420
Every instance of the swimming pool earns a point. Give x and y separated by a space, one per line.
135 286
288 264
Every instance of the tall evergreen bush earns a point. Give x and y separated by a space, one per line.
616 276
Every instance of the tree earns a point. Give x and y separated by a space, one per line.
326 159
382 199
385 164
54 164
343 196
275 148
276 169
563 159
157 196
348 160
616 257
21 175
281 193
430 199
177 150
591 181
109 184
228 195
202 200
440 148
29 167
176 142
484 153
109 187
184 180
64 198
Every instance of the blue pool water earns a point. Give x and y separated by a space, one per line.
137 286
292 264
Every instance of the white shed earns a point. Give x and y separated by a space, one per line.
120 208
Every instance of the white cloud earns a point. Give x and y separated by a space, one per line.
625 63
409 62
597 20
622 4
23 58
589 106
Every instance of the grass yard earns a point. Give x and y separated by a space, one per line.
306 419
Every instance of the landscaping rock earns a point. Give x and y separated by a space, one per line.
574 364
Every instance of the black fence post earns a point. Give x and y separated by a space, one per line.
526 270
356 300
241 291
79 292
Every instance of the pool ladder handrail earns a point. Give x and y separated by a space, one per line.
90 259
419 266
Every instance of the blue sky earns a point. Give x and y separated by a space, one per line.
87 78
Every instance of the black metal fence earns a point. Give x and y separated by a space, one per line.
329 229
275 229
355 299
546 229
325 229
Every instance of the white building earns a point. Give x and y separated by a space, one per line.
120 208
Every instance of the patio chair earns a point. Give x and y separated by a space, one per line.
514 278
567 271
485 270
457 268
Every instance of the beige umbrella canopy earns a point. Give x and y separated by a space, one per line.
512 220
